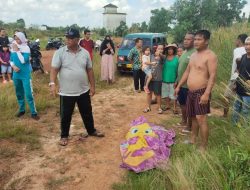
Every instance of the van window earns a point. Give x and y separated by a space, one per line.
158 40
129 43
164 40
154 41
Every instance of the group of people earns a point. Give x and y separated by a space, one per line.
188 77
107 51
238 88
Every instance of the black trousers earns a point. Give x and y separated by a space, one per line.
67 105
139 78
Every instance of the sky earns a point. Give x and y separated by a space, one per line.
86 13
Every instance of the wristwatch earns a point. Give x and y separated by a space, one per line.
51 83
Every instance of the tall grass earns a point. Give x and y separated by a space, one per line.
226 164
20 131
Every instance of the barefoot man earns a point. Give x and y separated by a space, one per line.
200 76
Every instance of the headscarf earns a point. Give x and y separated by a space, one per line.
104 45
23 47
22 37
247 40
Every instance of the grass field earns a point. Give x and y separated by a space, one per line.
225 166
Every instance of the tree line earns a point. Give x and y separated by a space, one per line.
189 15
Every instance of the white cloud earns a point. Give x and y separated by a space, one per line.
81 12
247 9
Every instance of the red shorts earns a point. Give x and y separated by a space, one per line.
193 105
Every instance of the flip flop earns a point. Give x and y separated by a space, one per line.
147 110
185 131
160 111
175 112
165 108
183 134
179 125
97 134
63 141
82 137
188 142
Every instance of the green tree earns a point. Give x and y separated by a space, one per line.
135 27
20 23
102 32
1 23
144 27
122 29
229 11
192 15
160 20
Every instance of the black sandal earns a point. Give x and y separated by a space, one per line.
82 137
97 134
63 141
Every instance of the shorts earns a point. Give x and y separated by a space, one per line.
147 71
155 86
182 96
230 90
167 91
193 105
6 69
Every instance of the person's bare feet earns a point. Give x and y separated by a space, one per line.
202 149
181 124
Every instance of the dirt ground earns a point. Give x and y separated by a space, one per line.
92 164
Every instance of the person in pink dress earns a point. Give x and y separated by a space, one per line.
107 51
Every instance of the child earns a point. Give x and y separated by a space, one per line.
155 85
146 67
179 52
5 63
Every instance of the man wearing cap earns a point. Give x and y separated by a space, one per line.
76 84
242 103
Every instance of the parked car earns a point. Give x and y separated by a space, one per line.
128 42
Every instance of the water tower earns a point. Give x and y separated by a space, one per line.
111 18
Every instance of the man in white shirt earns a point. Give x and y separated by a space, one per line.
77 84
237 54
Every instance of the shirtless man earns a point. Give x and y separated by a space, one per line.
200 76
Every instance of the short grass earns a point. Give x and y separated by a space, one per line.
226 164
54 183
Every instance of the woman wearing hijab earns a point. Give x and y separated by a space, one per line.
107 51
22 75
